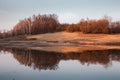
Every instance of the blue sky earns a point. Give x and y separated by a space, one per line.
68 11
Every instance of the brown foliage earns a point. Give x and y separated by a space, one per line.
73 28
90 26
48 23
37 25
115 27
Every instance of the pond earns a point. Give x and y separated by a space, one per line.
27 64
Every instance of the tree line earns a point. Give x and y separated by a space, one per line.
103 26
39 24
36 25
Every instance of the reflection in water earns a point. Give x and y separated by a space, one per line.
44 60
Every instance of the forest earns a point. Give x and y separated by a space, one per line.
40 24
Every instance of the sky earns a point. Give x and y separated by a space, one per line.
68 11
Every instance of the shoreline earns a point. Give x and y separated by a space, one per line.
57 47
63 39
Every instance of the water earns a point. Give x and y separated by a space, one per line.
25 64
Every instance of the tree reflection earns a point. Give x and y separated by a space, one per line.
44 60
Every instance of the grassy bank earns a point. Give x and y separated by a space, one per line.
65 39
78 38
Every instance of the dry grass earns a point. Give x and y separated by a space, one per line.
58 36
77 37
65 42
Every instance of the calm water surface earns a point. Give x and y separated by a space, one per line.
24 64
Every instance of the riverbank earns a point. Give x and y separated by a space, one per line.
60 41
77 38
